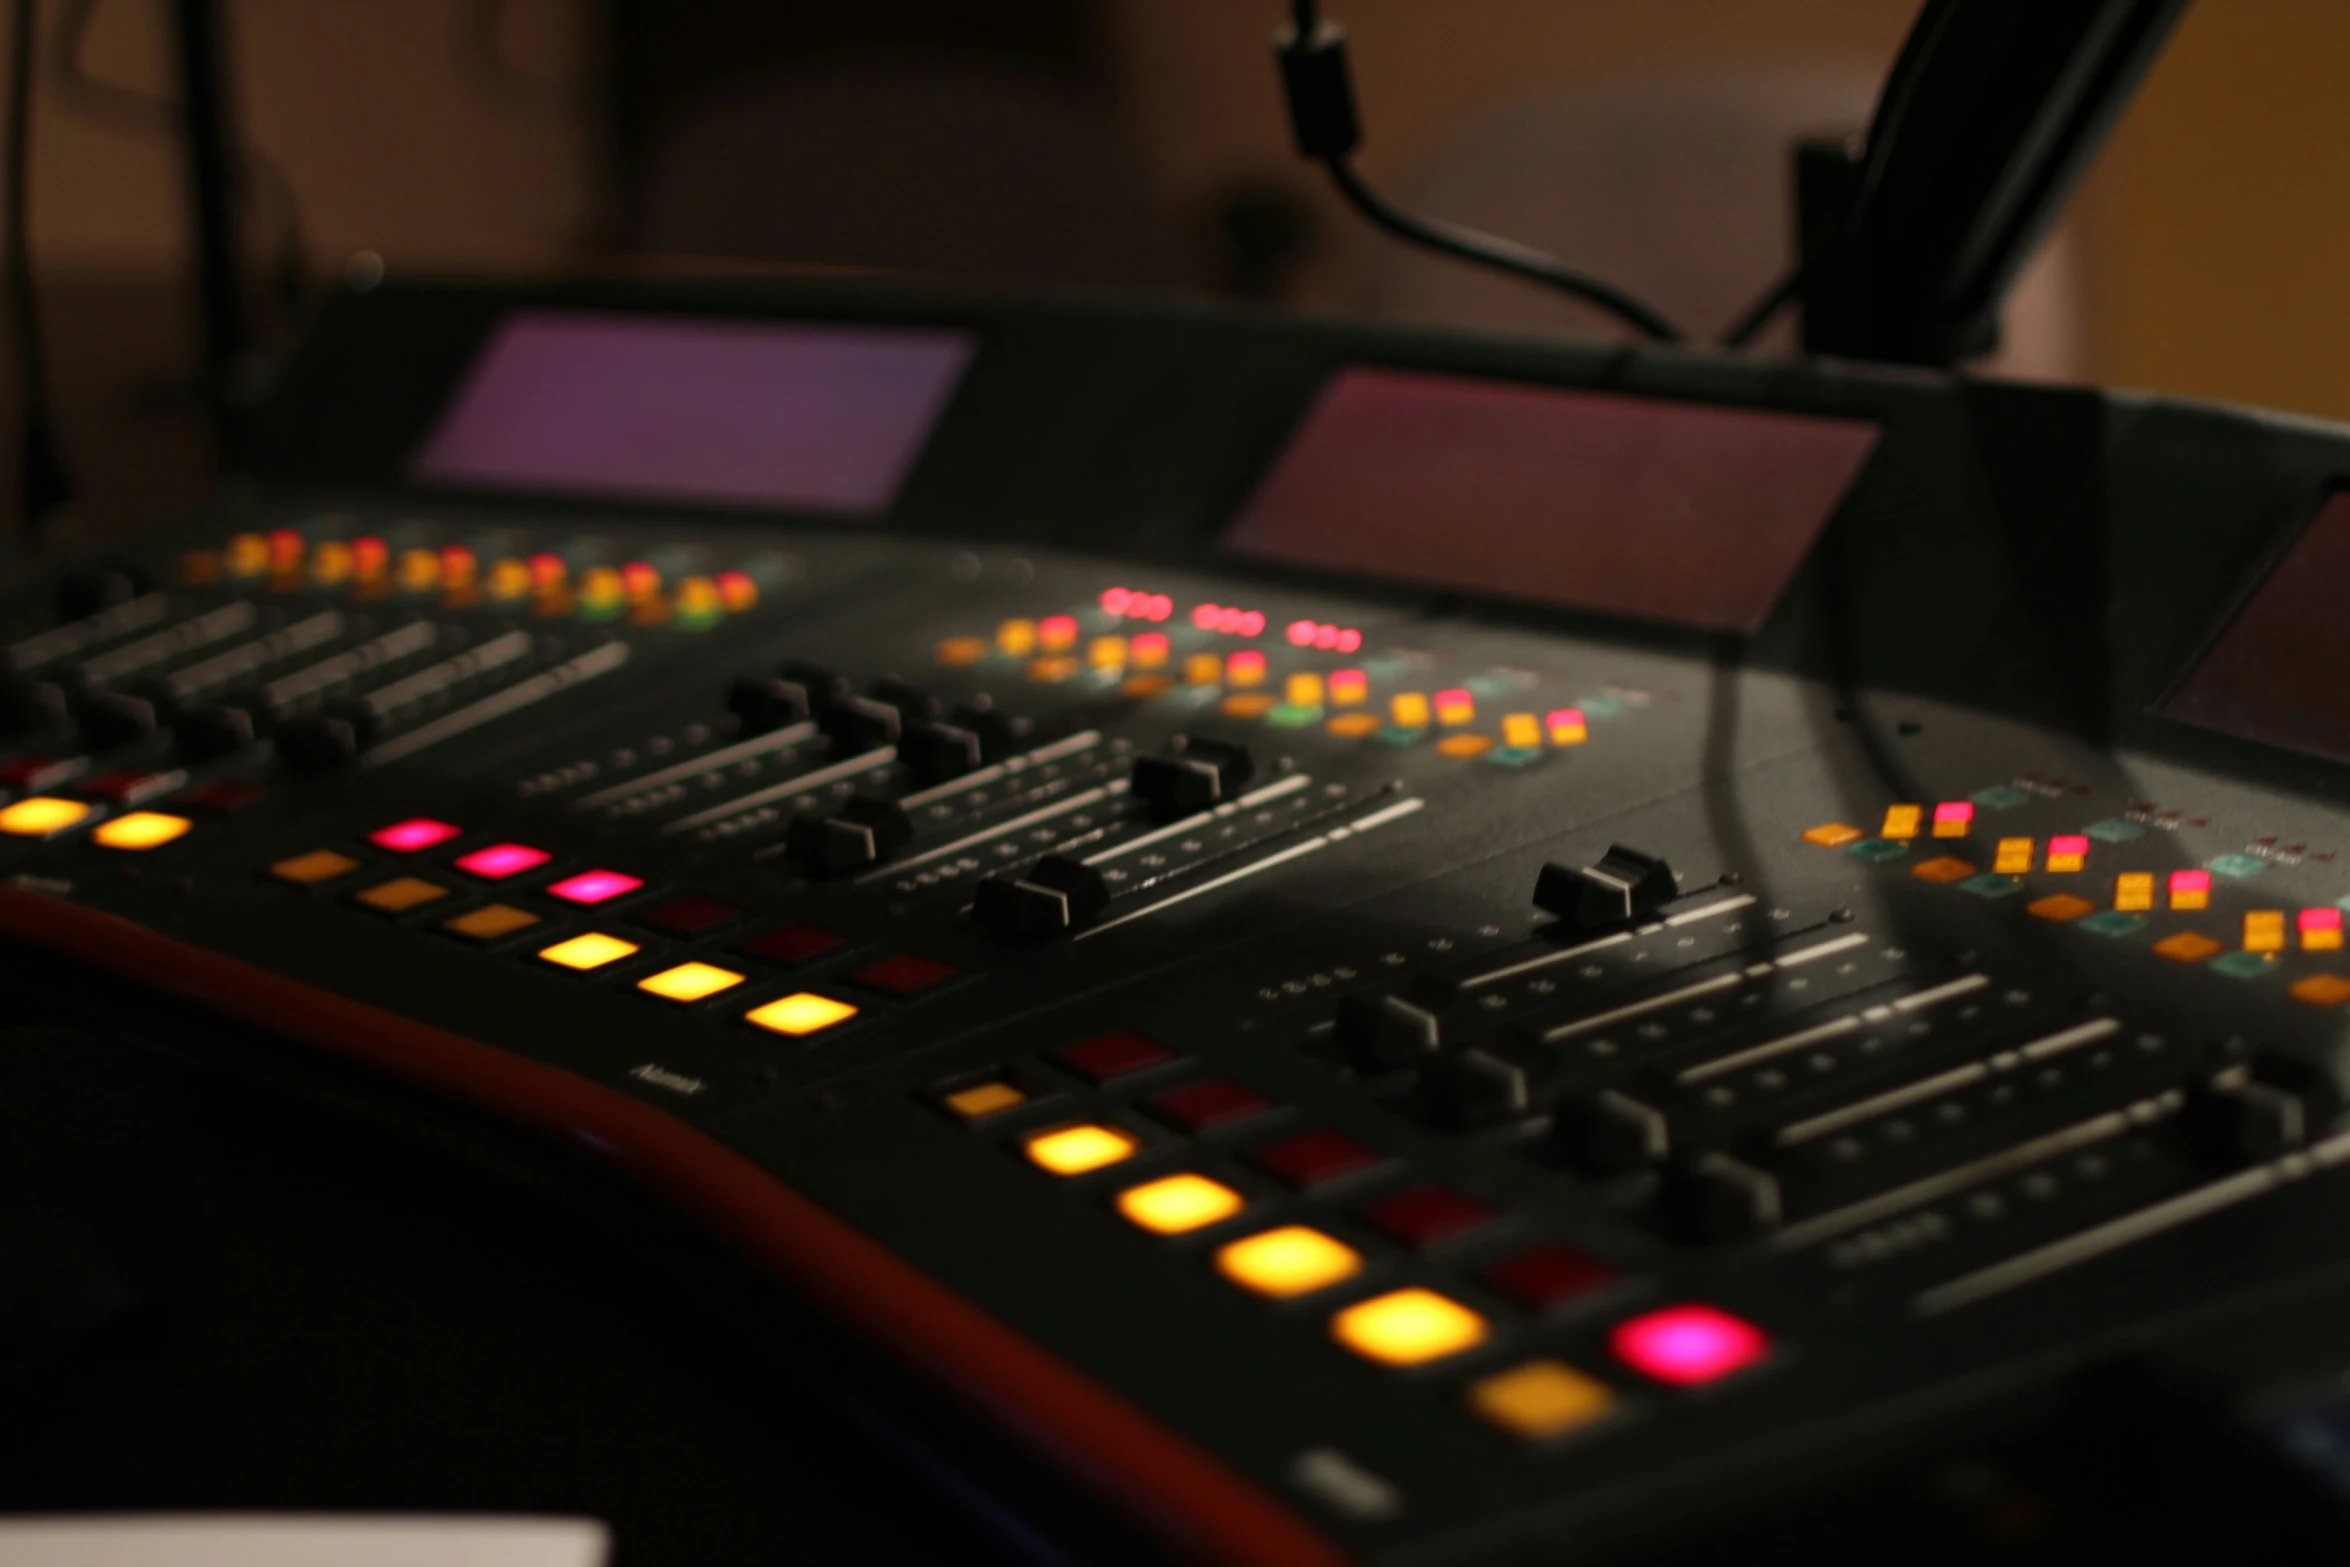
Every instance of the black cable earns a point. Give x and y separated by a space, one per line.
1320 91
43 482
1758 315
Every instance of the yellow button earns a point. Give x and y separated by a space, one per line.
2060 906
1542 1398
1408 1327
2014 857
400 894
141 830
1106 652
1179 1204
1946 868
305 870
983 1099
491 921
593 950
2264 930
1522 732
2133 893
2321 990
1016 637
1074 1150
1901 821
804 1013
1303 690
1832 835
42 816
1287 1262
1409 709
1202 669
2187 947
690 982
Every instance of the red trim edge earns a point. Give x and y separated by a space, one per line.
1200 1507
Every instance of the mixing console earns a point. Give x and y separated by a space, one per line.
1505 1044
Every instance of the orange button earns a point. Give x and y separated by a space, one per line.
1944 869
2187 947
2061 906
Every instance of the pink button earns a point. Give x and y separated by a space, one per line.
1960 811
2068 844
1688 1345
407 837
500 860
594 887
2190 881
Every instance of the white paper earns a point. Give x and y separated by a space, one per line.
337 1540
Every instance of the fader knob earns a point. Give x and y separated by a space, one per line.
761 703
822 683
30 706
205 734
86 592
1055 897
111 718
2268 1106
1611 1133
326 742
861 833
1719 1198
1193 776
858 723
908 698
1625 885
936 752
1469 1089
1001 734
1379 1032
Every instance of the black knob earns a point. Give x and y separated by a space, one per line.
1719 1198
1379 1032
206 734
1001 734
2266 1107
823 684
1625 885
1611 1133
858 723
862 832
936 752
1469 1089
909 699
30 707
111 718
324 743
1055 897
87 592
1192 776
762 703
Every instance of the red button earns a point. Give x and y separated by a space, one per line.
1200 1106
688 916
1426 1215
221 798
1548 1276
35 773
127 787
1114 1055
904 974
1311 1158
793 943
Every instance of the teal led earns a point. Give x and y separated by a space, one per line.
1289 715
1992 885
2245 965
2000 797
1878 850
2236 867
2113 924
1401 738
2114 830
1512 756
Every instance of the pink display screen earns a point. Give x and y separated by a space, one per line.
666 408
2275 675
1678 512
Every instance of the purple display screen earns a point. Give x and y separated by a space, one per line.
667 408
1678 512
2275 675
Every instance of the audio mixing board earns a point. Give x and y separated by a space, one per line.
1383 947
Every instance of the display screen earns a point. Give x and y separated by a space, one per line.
2275 674
666 408
1678 512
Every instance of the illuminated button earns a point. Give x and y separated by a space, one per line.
370 558
1245 668
1203 669
2013 857
1547 1276
1464 747
640 581
42 816
199 568
419 571
2264 930
2321 930
2236 867
248 555
2133 892
698 605
305 870
737 591
501 860
1426 1215
1952 818
962 650
1079 1150
801 1014
420 832
686 916
509 580
2190 889
2187 947
1833 835
978 1101
1541 1399
1942 869
1521 731
1688 1345
1179 1204
1313 1158
1288 1262
330 564
1408 1327
2061 906
2321 990
793 943
593 950
1249 704
2068 851
1108 1056
904 974
1455 707
1303 690
1354 726
689 982
1349 688
602 595
141 830
2246 965
590 887
1017 638
1202 1107
1148 651
1051 671
1144 687
490 922
1410 710
1901 821
1056 633
400 894
1106 653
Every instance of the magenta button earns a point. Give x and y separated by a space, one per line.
407 837
501 860
1688 1345
594 887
